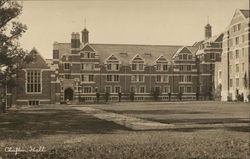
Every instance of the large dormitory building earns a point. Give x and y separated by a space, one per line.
216 67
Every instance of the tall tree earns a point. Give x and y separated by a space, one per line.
12 56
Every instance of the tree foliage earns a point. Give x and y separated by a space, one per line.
12 56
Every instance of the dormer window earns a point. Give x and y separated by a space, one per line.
161 64
137 63
113 63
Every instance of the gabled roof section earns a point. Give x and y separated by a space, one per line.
239 15
161 58
245 12
88 47
182 50
38 61
137 57
112 58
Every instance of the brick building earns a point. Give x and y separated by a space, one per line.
235 57
80 69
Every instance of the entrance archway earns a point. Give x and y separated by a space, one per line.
68 94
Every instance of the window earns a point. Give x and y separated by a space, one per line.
88 66
88 78
184 56
237 67
230 69
212 57
189 67
87 90
33 102
158 89
137 67
113 67
189 89
141 78
188 78
66 66
237 54
243 52
219 74
180 57
137 78
141 89
181 67
116 77
165 67
88 55
132 89
243 67
109 77
165 78
230 55
109 66
182 79
134 66
67 76
237 40
108 89
33 81
166 89
141 67
113 78
117 89
181 89
237 82
231 82
158 67
158 78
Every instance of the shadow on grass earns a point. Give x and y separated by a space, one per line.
156 112
37 122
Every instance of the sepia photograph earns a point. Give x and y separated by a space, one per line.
124 79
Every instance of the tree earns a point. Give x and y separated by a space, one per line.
107 94
10 51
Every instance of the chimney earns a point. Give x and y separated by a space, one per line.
75 40
85 36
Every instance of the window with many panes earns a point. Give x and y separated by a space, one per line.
141 89
117 89
108 89
189 89
87 90
237 53
34 82
66 66
181 89
87 78
137 78
113 78
237 67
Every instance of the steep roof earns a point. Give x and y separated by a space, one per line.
38 61
125 52
245 12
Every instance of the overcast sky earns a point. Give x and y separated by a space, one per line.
164 22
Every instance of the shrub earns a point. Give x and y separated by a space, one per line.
97 97
239 97
248 97
119 96
132 96
107 94
156 94
180 96
169 96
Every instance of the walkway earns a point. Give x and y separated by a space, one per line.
127 121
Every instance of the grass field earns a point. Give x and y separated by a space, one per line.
68 133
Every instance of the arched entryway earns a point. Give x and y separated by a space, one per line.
68 94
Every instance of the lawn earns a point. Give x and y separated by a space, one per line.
69 133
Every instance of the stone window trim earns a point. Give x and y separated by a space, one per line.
41 80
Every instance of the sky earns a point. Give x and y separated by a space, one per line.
154 22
